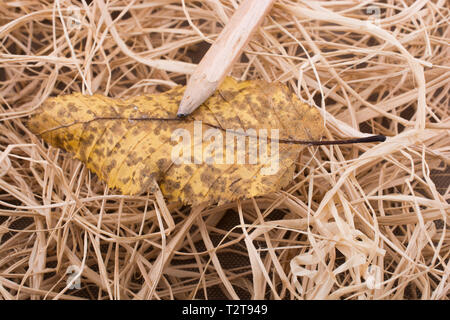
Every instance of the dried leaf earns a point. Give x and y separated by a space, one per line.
130 143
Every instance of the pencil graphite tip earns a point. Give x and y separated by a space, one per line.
187 105
195 94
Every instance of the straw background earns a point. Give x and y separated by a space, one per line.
357 222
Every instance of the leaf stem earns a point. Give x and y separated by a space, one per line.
374 138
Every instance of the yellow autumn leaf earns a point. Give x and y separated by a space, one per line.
227 149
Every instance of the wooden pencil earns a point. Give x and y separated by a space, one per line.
221 56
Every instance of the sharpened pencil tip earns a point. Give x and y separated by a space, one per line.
197 92
181 115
